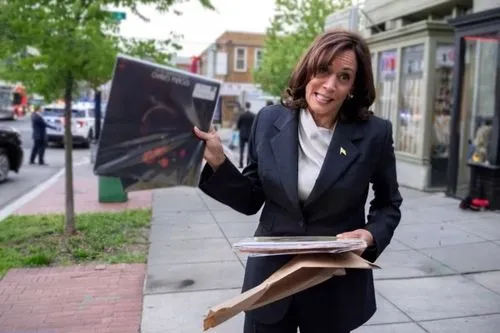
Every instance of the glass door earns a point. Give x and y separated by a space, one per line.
477 105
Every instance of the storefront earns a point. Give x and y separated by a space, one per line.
474 154
412 69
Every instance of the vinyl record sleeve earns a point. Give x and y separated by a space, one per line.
147 138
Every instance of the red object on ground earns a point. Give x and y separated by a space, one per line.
482 203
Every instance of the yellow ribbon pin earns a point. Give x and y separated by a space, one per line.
343 151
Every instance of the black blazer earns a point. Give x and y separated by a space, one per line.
39 127
336 204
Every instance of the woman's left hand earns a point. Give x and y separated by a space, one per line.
359 233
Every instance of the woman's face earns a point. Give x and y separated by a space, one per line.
327 90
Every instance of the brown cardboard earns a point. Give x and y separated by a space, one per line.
300 273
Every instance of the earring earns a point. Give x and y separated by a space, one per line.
350 96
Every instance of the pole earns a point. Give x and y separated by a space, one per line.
98 114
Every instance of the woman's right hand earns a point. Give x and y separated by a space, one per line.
214 152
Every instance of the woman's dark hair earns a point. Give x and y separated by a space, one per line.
320 55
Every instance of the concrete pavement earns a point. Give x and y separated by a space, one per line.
440 274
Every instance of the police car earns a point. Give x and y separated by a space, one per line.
82 122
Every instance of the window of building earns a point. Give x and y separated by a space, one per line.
410 117
441 116
477 105
386 84
478 97
258 57
240 59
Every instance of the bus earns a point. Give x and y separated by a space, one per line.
13 101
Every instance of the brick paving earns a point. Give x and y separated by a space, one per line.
85 185
76 299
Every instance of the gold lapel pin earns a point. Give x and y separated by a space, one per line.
343 151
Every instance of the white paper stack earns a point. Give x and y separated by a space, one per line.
265 246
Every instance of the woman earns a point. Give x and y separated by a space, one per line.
311 161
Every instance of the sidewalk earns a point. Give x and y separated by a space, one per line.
74 299
440 274
85 185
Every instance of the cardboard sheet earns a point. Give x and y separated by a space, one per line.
300 273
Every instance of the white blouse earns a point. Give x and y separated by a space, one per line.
313 145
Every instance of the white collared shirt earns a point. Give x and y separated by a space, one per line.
313 145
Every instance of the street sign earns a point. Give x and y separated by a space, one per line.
118 16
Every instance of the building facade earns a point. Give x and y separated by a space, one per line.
232 59
437 90
474 162
413 54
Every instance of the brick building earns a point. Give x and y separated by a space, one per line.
232 58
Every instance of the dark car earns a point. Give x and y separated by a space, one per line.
11 152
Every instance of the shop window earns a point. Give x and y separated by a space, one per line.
412 87
477 105
478 99
445 60
386 84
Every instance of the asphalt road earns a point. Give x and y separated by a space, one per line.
32 175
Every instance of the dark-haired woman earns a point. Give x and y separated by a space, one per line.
312 159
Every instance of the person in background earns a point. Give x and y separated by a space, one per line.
244 126
312 159
39 127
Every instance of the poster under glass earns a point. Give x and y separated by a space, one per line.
441 113
386 84
410 115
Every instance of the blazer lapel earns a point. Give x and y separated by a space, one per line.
340 155
285 149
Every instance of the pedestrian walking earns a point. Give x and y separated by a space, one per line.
244 126
39 127
312 159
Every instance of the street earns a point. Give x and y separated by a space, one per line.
32 175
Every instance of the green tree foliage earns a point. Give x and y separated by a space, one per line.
52 45
294 26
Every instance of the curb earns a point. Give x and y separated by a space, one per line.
20 202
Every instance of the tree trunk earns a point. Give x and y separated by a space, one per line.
70 228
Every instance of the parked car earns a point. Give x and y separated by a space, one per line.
11 152
82 122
